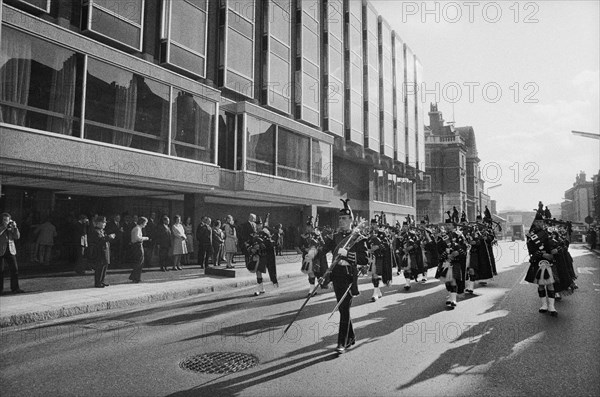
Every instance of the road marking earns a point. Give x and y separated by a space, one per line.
585 270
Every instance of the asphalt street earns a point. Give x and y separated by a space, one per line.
495 343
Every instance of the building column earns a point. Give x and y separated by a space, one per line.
309 210
193 204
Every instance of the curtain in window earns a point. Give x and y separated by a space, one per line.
62 96
125 111
15 75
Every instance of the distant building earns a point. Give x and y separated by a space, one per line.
453 177
579 200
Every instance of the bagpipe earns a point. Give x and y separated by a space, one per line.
312 243
258 245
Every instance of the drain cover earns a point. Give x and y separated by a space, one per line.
219 362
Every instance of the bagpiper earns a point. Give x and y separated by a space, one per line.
542 267
380 257
565 277
410 254
452 266
349 249
314 262
481 263
260 256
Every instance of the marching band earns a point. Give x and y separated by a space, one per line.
461 252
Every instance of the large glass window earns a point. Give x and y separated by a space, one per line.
334 87
193 127
354 121
40 84
399 111
293 155
117 20
184 32
236 47
420 128
308 97
277 87
386 95
126 109
322 165
260 147
411 110
41 5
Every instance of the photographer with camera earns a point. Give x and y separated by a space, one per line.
8 252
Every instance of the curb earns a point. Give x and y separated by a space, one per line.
172 291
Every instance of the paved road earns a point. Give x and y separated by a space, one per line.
494 343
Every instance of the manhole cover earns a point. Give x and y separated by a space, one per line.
219 363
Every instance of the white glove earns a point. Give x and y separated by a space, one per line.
342 252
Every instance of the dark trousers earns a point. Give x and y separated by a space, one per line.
346 332
163 256
10 260
204 253
148 252
217 254
100 273
80 260
137 254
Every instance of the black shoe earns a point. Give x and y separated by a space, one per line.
543 310
406 287
99 285
179 268
554 314
18 291
163 269
105 284
340 349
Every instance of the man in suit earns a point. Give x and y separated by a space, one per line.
8 252
245 233
99 250
149 244
114 227
162 238
204 236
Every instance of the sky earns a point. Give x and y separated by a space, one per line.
523 74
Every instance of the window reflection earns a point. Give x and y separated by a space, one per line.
260 148
321 163
292 155
193 127
40 84
126 109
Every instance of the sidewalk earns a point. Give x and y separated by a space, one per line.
71 298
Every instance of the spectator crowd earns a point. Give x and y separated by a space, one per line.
132 241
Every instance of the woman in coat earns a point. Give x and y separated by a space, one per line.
189 239
179 242
218 238
230 241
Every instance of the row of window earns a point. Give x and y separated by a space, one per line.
47 87
274 150
43 88
347 102
389 188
